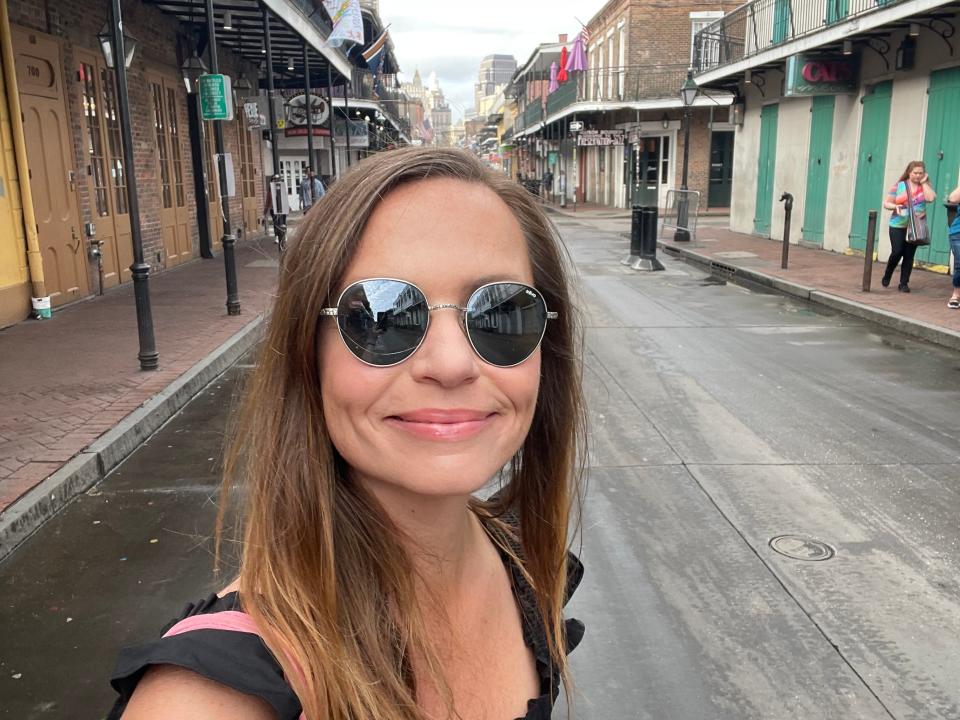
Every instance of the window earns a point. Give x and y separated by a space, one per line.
610 61
710 52
92 110
623 57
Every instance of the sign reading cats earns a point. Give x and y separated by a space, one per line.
821 74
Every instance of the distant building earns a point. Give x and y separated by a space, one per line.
495 72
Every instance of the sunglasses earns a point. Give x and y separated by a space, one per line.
384 321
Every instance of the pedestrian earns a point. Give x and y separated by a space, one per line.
547 183
311 190
907 200
954 197
373 583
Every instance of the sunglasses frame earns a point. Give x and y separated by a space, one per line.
335 312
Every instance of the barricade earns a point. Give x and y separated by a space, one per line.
681 213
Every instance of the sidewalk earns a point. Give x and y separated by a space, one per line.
73 400
818 276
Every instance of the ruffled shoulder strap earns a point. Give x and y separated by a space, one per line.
216 639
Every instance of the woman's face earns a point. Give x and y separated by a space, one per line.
916 175
442 422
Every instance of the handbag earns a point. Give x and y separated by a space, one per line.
917 231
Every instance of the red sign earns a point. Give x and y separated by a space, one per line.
301 131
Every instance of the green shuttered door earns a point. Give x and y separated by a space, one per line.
871 158
818 168
941 154
766 165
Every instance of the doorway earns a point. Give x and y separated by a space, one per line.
818 168
51 158
766 165
292 172
174 217
941 155
721 169
105 171
871 160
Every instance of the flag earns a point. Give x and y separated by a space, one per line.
426 132
347 21
373 56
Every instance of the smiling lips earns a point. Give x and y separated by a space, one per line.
434 424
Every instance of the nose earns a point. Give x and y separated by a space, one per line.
446 356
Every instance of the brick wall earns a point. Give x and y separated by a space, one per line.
161 48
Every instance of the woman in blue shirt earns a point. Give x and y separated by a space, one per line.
954 302
912 189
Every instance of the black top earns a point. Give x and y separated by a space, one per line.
215 639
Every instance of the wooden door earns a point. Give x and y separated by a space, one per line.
104 171
174 218
50 156
818 168
871 160
248 185
766 165
211 171
721 169
941 155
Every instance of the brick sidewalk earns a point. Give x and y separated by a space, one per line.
66 381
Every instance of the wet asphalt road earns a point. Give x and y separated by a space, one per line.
721 417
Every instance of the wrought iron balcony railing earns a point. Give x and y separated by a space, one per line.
610 85
762 24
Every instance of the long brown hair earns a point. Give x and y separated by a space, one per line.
323 570
910 166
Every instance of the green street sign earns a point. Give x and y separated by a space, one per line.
216 99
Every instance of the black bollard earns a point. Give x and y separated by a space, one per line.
787 200
636 239
647 259
868 250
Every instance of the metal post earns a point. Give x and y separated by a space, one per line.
333 142
787 200
306 96
278 219
683 234
228 240
148 355
195 126
636 228
648 240
868 251
346 111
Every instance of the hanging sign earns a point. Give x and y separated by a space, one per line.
586 138
216 98
297 110
252 112
821 74
576 126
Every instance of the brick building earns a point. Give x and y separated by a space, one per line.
628 105
72 151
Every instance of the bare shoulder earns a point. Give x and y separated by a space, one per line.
168 692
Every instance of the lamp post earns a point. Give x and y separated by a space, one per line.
688 93
114 43
228 240
191 69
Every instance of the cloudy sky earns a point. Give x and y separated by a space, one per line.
450 38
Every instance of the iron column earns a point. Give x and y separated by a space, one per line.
346 111
308 98
148 355
333 145
228 240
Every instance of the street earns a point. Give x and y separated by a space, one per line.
721 417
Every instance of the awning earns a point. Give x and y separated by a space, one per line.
290 26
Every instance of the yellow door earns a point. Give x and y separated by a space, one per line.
105 174
251 208
51 160
174 217
210 170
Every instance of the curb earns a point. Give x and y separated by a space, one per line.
91 465
914 328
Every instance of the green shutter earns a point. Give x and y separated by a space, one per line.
766 165
818 168
871 159
941 155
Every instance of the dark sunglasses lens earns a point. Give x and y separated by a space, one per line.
505 322
382 321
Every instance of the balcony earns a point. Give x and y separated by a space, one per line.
764 24
533 113
618 85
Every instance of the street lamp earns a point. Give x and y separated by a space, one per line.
688 93
116 39
105 36
192 68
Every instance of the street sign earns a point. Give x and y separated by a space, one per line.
576 126
252 112
216 98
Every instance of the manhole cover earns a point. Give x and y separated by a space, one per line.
801 548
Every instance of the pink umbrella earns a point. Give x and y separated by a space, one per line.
562 75
578 56
553 78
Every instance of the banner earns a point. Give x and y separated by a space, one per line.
359 137
347 21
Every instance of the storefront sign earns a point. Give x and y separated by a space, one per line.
216 99
819 74
359 137
297 110
588 138
252 112
301 131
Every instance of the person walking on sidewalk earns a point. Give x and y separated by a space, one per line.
311 190
373 583
954 302
907 197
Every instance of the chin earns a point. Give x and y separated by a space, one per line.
431 476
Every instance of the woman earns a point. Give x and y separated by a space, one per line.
912 189
954 302
380 586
